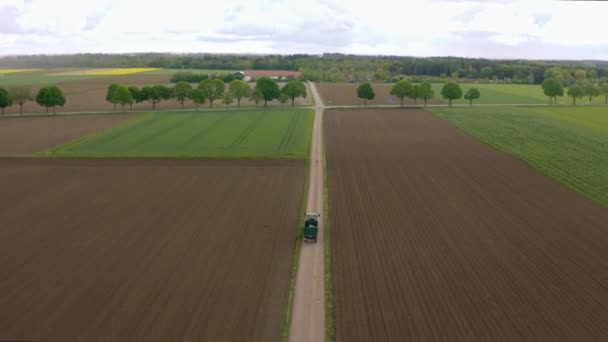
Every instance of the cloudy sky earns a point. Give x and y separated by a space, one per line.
494 29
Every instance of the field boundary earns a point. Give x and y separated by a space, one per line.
291 287
51 152
528 162
330 318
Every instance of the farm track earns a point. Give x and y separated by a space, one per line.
293 123
146 250
437 237
219 121
246 132
308 319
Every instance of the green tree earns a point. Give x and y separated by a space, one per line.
580 74
256 96
228 98
451 91
136 95
294 89
20 95
426 92
486 72
443 76
472 94
240 89
590 89
415 94
553 88
181 90
155 94
558 74
269 88
604 91
401 90
197 96
575 90
110 94
5 99
365 92
213 90
283 98
50 96
123 96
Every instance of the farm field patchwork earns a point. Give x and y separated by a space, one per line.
195 71
345 94
569 144
438 237
87 93
339 94
146 250
14 71
105 71
502 93
217 134
24 135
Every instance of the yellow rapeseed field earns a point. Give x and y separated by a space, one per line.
13 71
112 72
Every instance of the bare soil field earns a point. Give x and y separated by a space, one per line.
345 94
438 237
146 250
21 135
89 95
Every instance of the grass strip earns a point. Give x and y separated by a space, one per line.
288 311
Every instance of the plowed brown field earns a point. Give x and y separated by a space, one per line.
34 134
345 94
89 95
437 237
146 250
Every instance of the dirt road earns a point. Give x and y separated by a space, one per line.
308 320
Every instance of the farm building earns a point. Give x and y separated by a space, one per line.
249 74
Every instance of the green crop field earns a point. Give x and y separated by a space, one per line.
206 134
195 71
569 144
38 78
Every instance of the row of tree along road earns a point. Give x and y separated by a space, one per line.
404 89
208 90
553 87
47 97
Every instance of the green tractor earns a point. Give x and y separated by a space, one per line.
311 226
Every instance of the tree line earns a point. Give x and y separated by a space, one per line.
328 67
47 97
208 90
554 87
404 89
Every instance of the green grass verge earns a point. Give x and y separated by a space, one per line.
330 317
293 275
259 134
569 144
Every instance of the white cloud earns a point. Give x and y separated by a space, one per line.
494 29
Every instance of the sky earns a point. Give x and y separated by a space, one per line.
531 29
